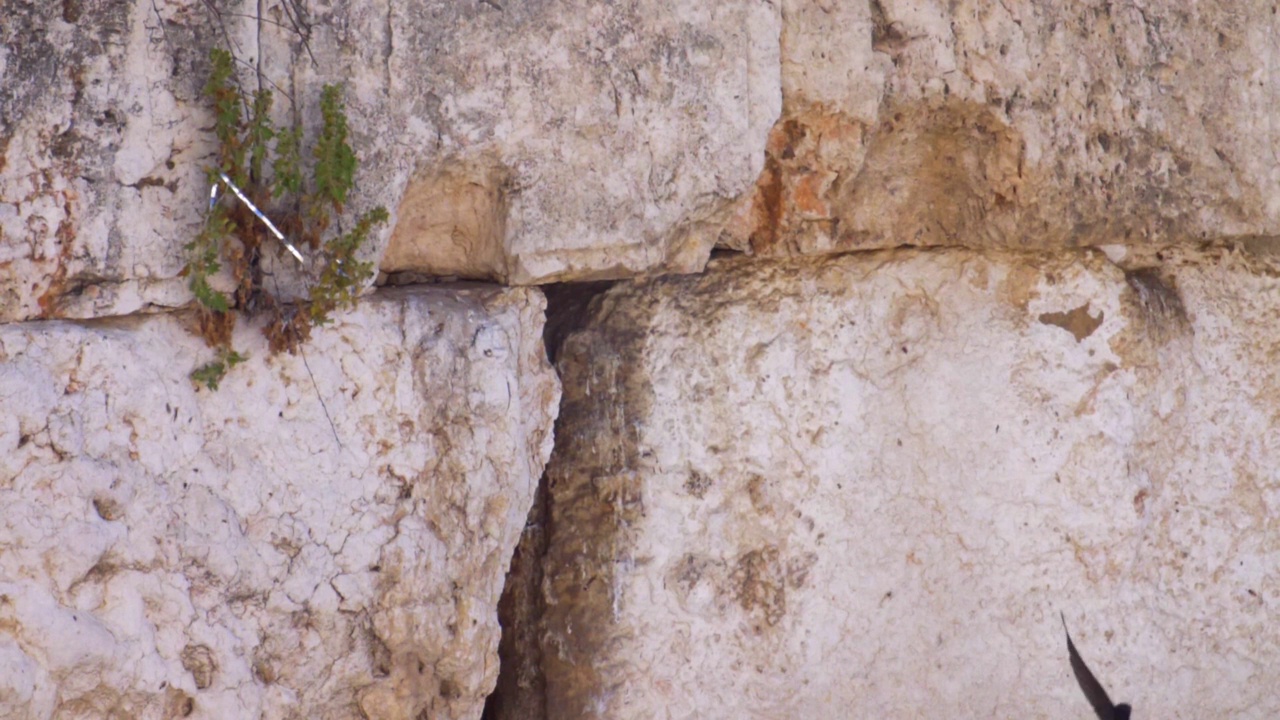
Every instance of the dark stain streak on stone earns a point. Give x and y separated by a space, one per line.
1159 299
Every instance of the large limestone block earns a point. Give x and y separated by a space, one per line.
542 141
866 486
167 552
1019 124
608 138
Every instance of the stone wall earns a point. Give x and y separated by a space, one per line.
986 339
324 536
1042 125
543 142
868 485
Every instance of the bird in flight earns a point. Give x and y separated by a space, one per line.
1092 688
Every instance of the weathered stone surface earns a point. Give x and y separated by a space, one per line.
563 140
865 486
925 122
521 692
615 135
626 128
452 222
168 552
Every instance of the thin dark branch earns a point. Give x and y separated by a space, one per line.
319 396
269 81
258 60
232 48
222 25
160 19
266 20
293 11
314 385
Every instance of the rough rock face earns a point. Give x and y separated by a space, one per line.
865 486
611 136
1044 125
802 487
169 552
564 139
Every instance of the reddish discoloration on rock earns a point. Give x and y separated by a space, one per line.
927 174
66 234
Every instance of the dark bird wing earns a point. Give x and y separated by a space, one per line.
1093 690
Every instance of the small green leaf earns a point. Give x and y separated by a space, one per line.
260 133
211 373
335 162
202 260
343 275
213 299
288 162
226 110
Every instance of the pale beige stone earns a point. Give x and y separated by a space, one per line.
865 486
452 221
325 536
623 133
632 136
1026 125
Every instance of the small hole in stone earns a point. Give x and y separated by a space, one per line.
107 508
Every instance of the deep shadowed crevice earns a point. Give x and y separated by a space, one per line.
567 310
721 253
521 690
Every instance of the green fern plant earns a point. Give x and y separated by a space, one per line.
203 262
343 275
212 372
335 162
265 162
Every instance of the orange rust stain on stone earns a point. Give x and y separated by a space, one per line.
49 301
804 157
926 173
767 202
807 195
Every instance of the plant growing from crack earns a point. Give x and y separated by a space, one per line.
265 162
212 372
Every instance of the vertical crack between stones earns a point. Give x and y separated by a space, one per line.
520 693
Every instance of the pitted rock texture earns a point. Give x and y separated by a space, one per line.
1024 125
167 552
523 142
568 141
865 486
625 129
